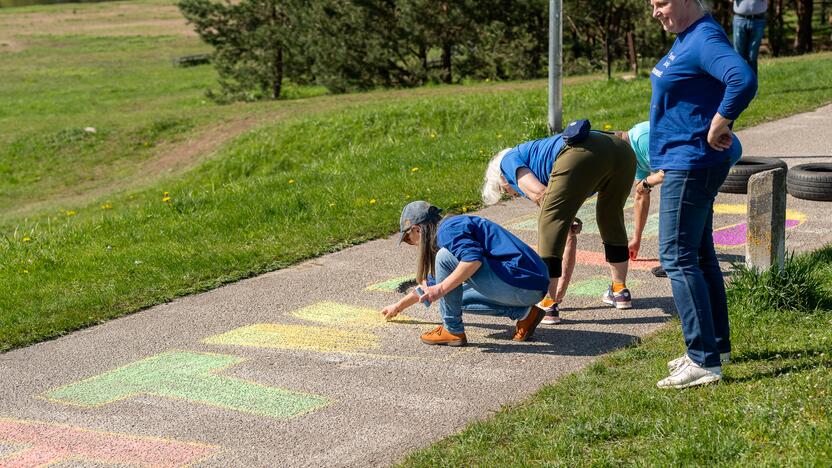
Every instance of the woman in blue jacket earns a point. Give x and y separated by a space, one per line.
477 266
699 88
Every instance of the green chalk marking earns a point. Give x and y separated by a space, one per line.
391 284
595 286
187 376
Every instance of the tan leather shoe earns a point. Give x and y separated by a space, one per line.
527 326
440 336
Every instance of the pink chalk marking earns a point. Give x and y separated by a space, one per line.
733 236
45 444
585 257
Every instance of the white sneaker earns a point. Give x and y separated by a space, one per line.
691 374
676 364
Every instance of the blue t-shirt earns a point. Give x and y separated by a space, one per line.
471 238
536 155
700 76
640 142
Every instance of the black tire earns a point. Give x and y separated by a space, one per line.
737 180
811 181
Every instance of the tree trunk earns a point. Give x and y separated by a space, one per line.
446 62
776 37
631 52
803 35
277 73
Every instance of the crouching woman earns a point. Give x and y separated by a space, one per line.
478 266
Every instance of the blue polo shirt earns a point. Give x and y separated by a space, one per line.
471 239
640 142
537 155
700 76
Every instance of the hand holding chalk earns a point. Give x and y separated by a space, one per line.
421 293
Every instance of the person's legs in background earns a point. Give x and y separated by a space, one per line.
748 35
756 33
741 36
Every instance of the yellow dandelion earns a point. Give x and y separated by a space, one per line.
407 197
607 127
71 213
107 206
433 135
291 181
26 239
372 201
26 271
414 169
464 209
165 197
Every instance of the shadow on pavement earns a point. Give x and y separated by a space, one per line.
618 320
555 342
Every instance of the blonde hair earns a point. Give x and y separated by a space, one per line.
491 192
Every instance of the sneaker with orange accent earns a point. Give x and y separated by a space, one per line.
527 326
440 336
551 310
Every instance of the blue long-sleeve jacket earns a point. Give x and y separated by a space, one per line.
700 76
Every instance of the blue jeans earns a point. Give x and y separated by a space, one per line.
748 35
482 292
686 251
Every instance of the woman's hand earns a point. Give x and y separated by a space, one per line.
432 293
633 247
390 311
720 135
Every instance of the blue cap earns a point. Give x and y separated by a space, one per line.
417 212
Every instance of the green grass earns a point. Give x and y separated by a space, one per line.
294 190
772 409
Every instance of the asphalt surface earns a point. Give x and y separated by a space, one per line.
296 367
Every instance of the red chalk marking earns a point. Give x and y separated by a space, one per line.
51 443
585 257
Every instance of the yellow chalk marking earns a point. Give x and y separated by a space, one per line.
333 313
279 336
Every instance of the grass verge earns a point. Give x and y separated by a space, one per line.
772 408
295 190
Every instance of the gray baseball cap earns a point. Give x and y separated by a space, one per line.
416 213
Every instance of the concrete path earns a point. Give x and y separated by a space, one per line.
296 368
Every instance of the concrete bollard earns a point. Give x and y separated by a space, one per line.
765 243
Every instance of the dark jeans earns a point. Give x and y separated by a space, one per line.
748 34
686 251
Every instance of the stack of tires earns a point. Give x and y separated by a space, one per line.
811 181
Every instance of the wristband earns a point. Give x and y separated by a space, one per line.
646 185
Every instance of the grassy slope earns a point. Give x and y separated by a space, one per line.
772 409
294 190
317 181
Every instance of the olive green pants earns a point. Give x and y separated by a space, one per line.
604 164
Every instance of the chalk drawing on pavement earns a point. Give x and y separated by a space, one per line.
594 286
35 443
333 313
734 235
400 284
189 376
302 337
